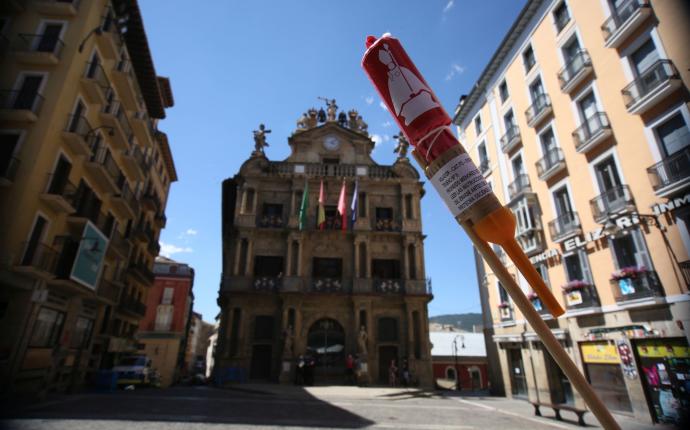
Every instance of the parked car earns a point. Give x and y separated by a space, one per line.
134 370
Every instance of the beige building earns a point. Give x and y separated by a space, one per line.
321 291
84 179
580 123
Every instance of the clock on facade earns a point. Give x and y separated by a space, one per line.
331 143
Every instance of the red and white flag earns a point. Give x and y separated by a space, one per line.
342 207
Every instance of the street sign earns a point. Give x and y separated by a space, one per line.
89 260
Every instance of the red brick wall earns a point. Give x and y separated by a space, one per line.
439 367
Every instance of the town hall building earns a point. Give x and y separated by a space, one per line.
347 282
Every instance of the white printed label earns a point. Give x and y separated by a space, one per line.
460 184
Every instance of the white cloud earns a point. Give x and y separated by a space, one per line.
369 100
386 124
455 69
380 138
382 105
168 249
191 232
449 6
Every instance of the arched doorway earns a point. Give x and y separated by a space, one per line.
326 343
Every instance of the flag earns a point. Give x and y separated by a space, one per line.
342 207
321 216
303 207
355 202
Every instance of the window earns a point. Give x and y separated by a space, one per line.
33 254
576 268
408 206
503 294
164 316
528 58
294 262
8 146
385 269
587 107
327 268
518 166
363 260
242 263
536 90
273 209
235 331
76 118
570 50
362 204
47 328
384 213
412 261
483 156
673 135
387 329
503 91
248 200
50 38
93 68
268 266
548 141
561 199
28 96
543 271
644 57
561 15
509 120
82 333
450 373
263 327
330 160
629 250
478 124
607 175
168 293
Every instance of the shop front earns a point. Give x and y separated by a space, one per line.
665 364
602 365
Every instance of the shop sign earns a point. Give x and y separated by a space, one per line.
627 362
573 297
544 256
600 353
90 255
663 351
662 208
623 222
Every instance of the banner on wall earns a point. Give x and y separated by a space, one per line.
600 353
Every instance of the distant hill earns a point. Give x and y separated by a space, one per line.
460 321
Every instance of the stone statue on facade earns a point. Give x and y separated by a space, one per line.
260 140
361 125
352 119
403 146
331 107
321 115
342 119
302 122
312 118
289 337
362 341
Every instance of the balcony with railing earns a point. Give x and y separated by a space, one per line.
612 202
125 82
124 202
580 295
387 224
389 286
510 139
632 285
685 269
672 174
654 85
579 67
538 305
59 194
519 187
531 239
38 260
151 202
38 49
624 20
550 164
593 131
565 226
94 83
20 106
539 110
289 169
77 134
270 221
143 127
109 291
108 37
141 272
328 285
267 283
103 169
114 116
57 7
119 245
8 171
132 306
134 162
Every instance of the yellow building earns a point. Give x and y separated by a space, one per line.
84 179
580 124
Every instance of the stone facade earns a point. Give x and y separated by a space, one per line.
287 291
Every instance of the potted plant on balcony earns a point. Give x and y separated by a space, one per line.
625 278
536 302
504 310
573 292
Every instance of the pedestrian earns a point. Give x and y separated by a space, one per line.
350 370
392 374
299 370
405 374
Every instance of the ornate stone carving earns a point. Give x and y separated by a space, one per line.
403 146
260 140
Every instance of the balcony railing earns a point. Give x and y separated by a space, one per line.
510 138
565 226
132 305
61 188
610 202
387 224
569 74
270 221
640 285
581 296
279 168
552 161
8 169
685 268
592 131
538 110
103 159
109 291
641 89
389 286
620 18
671 172
94 72
78 125
39 43
40 258
21 100
519 186
141 271
327 285
119 244
267 283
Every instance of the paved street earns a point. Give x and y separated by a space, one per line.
272 406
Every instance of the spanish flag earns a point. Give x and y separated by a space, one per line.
321 216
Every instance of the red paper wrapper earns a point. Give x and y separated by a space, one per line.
407 95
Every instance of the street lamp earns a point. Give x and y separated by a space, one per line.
455 354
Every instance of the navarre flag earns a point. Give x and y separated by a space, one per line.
321 216
304 206
355 202
342 207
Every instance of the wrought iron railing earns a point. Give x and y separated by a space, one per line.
672 169
267 283
8 168
61 186
541 103
581 297
658 73
520 185
270 221
318 170
94 71
327 285
552 158
21 100
78 124
611 201
640 285
102 156
39 43
590 128
39 256
510 136
620 15
565 225
575 65
389 286
132 305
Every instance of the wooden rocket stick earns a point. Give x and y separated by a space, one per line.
548 339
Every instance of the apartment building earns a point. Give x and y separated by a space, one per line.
84 180
162 334
580 123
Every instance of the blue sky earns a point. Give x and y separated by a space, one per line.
233 65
